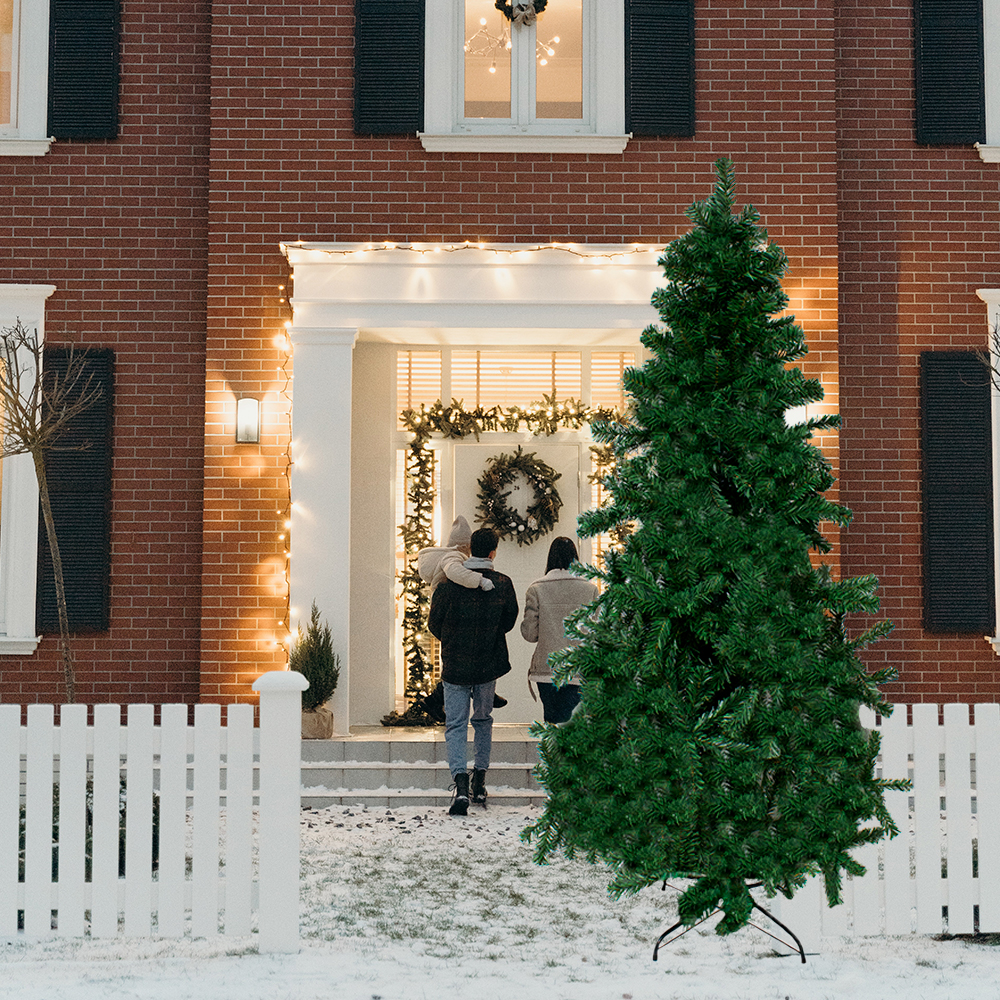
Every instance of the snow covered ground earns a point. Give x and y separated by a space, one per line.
411 904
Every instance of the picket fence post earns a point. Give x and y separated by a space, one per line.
278 828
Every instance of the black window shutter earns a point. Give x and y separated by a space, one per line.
80 494
948 57
83 69
388 66
957 493
659 67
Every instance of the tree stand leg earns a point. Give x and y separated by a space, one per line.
680 923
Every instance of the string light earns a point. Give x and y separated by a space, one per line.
569 248
484 43
284 513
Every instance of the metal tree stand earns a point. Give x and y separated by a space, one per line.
680 923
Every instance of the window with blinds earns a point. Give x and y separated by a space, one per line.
606 371
512 378
418 379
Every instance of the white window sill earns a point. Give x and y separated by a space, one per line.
523 143
18 647
24 147
988 154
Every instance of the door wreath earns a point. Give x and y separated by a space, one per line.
496 513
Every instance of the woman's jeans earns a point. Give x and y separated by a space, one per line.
456 711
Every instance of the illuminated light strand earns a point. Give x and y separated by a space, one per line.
468 245
284 515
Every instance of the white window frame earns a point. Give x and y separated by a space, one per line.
19 500
25 135
989 151
603 127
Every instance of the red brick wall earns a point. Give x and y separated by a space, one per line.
918 235
286 166
120 228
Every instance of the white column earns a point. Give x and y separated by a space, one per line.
321 490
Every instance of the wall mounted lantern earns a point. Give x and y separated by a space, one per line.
247 420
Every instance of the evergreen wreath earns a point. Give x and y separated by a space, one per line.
508 9
497 514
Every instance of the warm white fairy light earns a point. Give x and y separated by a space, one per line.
484 43
569 248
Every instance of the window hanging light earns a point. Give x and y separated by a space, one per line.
484 42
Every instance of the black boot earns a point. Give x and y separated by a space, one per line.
479 787
460 801
498 700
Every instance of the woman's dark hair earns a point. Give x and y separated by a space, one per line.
562 552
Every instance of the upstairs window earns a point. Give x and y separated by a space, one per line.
584 76
24 30
521 74
58 73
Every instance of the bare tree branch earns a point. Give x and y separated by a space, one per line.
36 407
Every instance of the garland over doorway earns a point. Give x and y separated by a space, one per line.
455 421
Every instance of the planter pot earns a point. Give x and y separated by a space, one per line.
317 725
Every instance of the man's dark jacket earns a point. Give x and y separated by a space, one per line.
472 626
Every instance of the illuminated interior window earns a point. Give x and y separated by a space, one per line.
487 61
6 61
559 62
418 379
606 372
510 378
523 72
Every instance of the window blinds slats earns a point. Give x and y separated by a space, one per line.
483 378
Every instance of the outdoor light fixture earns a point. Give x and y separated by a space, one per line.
247 420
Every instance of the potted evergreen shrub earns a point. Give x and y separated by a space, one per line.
314 658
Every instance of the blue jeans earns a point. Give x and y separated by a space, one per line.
558 702
456 727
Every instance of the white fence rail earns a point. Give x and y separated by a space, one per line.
942 873
183 860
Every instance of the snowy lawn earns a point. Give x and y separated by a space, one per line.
412 904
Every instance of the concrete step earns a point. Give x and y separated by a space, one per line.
382 767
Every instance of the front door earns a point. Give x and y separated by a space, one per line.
524 563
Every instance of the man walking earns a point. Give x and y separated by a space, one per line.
472 626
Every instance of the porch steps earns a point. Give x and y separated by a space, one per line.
385 766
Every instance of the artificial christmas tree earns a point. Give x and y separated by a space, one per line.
718 736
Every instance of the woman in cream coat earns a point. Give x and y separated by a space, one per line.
546 606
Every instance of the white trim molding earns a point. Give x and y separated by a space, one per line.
19 501
989 151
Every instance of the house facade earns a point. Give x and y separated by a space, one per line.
327 213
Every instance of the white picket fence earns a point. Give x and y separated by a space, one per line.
221 861
942 873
